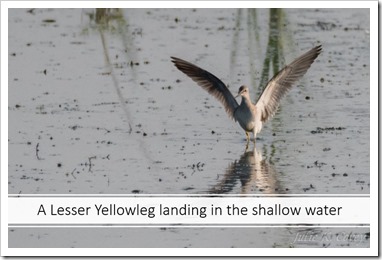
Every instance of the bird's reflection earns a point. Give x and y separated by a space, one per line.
251 173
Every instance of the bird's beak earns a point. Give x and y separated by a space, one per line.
238 94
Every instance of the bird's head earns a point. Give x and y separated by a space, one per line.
243 91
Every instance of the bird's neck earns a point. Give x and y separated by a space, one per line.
245 100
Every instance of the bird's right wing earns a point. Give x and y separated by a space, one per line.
210 83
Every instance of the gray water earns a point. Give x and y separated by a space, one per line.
96 107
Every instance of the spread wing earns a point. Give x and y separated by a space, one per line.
210 83
283 81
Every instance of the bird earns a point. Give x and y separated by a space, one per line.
251 116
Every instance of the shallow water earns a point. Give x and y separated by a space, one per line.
101 109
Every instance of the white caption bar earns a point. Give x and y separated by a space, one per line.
188 210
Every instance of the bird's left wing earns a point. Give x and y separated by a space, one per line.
283 81
210 83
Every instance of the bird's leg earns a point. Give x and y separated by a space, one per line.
254 137
248 137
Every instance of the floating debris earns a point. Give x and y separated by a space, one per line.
320 130
326 26
48 21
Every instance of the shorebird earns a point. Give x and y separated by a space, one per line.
250 116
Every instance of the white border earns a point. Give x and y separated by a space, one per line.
374 134
4 129
189 4
192 252
373 250
186 195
